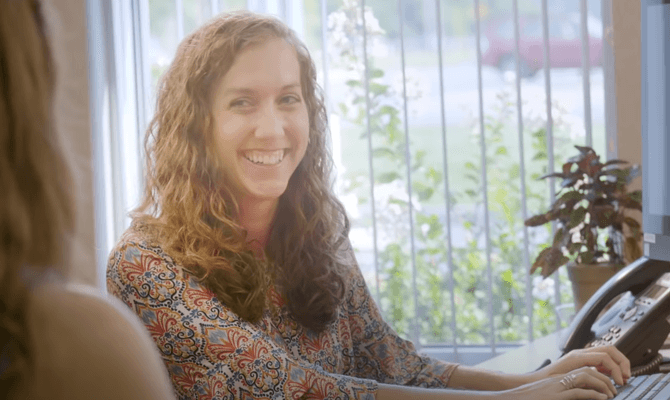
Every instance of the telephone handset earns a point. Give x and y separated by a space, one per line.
638 321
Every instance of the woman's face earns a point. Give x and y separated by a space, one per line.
261 124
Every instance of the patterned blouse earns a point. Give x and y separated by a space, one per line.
211 353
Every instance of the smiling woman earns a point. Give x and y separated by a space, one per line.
238 260
222 98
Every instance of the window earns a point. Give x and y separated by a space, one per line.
437 168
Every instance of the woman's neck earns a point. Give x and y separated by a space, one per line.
256 218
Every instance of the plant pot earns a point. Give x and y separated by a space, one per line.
587 278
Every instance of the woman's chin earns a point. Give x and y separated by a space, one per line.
268 192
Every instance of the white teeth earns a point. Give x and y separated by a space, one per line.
265 157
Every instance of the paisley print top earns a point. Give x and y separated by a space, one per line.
211 353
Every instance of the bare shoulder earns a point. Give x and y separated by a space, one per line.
89 345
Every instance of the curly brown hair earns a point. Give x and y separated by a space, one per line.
36 213
188 204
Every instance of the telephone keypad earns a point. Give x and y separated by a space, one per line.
629 313
613 334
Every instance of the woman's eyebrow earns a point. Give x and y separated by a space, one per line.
237 91
291 86
242 90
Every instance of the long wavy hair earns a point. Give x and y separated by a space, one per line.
36 210
189 205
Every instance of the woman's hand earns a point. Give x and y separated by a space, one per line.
606 359
582 383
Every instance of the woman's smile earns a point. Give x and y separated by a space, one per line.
264 157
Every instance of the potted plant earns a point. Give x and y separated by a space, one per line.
590 210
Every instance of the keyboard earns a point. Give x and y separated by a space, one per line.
645 387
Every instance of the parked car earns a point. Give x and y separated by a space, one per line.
565 43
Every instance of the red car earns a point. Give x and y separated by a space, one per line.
565 43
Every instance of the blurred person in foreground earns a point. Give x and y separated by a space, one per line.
58 340
239 263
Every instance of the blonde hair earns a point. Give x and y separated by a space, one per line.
187 202
36 216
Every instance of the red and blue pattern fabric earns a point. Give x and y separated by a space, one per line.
211 353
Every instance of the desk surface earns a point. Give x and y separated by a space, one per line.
526 358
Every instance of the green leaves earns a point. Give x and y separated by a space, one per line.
387 177
376 73
559 236
537 220
567 200
594 199
548 261
353 83
423 190
604 215
576 217
377 88
383 152
632 200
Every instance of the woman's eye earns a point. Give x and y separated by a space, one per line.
240 103
290 100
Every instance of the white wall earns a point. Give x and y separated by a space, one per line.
627 43
72 111
626 21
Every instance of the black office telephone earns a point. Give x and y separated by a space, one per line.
630 311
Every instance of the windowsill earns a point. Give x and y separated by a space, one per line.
467 354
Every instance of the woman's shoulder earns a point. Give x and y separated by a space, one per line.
89 345
140 234
139 241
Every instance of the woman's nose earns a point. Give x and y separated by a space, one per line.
270 123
